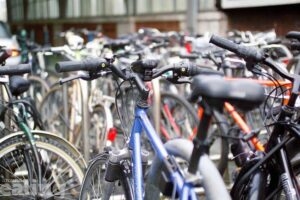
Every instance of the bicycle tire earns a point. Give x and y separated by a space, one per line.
183 113
38 89
98 130
212 181
87 189
52 114
62 167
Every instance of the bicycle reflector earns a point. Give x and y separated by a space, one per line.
112 133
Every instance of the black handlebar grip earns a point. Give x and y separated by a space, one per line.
224 43
293 35
190 69
90 64
15 69
195 69
250 54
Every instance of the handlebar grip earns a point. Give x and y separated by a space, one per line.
15 69
248 53
91 64
224 43
293 35
190 69
196 70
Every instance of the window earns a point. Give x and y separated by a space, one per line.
17 13
73 8
159 6
181 5
206 5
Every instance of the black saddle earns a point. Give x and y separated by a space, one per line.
18 85
244 94
293 35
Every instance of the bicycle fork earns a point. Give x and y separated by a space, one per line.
117 166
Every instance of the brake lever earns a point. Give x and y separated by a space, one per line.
179 80
71 78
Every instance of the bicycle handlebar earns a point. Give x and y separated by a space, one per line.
90 64
15 69
250 54
187 69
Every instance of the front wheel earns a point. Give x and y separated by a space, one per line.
62 168
95 186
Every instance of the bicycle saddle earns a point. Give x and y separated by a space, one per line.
293 35
244 94
18 85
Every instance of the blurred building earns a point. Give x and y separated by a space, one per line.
117 17
112 17
3 13
262 15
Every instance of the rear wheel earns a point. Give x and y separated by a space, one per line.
178 117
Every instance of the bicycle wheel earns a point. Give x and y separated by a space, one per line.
38 89
60 115
211 184
178 117
95 186
62 168
98 130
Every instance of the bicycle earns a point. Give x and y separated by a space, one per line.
232 129
33 163
117 164
273 173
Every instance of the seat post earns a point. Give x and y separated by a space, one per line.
201 145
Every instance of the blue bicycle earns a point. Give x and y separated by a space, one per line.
122 173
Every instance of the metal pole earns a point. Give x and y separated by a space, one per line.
191 17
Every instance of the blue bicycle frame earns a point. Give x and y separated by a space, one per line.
142 122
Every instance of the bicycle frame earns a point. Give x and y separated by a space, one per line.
141 122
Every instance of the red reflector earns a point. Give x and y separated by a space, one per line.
188 47
112 133
285 61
